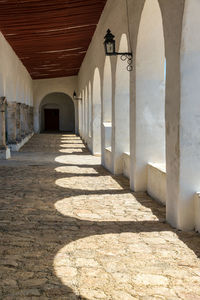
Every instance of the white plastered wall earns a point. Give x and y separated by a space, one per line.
15 81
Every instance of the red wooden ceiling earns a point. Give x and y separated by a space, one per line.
50 37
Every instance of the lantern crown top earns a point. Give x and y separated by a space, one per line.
109 36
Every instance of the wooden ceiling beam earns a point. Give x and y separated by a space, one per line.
51 32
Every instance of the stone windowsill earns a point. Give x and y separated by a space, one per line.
107 124
159 167
127 154
109 149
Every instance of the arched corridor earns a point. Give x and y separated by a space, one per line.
78 232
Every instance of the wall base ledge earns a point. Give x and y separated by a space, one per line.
156 181
5 154
197 211
18 145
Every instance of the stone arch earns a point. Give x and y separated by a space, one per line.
96 113
150 94
63 107
121 132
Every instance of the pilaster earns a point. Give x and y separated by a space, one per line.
18 123
11 122
4 150
22 120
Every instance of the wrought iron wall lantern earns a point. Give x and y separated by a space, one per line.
109 45
75 97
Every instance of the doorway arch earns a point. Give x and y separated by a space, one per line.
57 113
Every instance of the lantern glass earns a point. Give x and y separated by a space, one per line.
109 43
110 48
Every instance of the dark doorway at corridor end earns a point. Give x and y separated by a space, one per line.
57 113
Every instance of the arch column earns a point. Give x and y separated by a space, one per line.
80 117
183 124
76 116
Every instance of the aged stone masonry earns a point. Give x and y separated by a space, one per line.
71 230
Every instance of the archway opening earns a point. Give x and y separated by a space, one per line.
150 100
122 110
86 114
57 113
96 113
89 110
83 114
107 115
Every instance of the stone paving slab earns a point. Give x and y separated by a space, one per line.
71 230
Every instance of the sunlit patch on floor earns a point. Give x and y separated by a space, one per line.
72 146
123 266
120 207
70 150
90 183
80 160
76 170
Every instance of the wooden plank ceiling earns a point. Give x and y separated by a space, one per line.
50 37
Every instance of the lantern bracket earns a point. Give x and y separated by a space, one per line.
109 44
75 97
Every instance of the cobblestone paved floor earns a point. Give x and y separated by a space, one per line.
70 230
